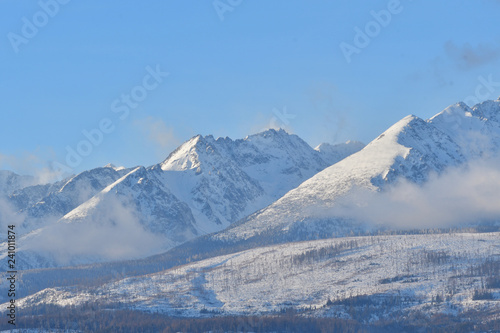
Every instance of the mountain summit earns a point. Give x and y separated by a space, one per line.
411 149
203 186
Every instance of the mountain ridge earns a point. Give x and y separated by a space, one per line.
412 149
272 186
201 187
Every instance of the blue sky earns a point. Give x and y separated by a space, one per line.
234 67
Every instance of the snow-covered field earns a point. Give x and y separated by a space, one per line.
431 272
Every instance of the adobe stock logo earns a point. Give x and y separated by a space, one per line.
371 30
223 6
279 120
30 28
484 90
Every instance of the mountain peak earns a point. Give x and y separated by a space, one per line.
11 181
395 131
269 133
411 149
184 157
114 167
489 110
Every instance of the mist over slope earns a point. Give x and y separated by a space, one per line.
456 151
202 187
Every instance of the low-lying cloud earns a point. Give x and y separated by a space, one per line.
462 195
114 232
9 216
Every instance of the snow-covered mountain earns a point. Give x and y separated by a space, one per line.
10 181
224 180
270 187
410 149
40 204
334 153
151 202
202 187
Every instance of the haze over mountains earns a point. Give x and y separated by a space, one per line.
202 187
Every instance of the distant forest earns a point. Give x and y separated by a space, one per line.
91 318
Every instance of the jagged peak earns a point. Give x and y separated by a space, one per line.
488 109
459 120
271 132
190 154
275 135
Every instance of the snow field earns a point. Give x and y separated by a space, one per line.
305 275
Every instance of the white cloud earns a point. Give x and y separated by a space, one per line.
9 216
158 133
461 195
112 233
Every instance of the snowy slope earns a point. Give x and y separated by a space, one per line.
218 181
224 180
154 205
133 217
213 185
202 187
206 184
41 204
412 269
75 191
410 149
